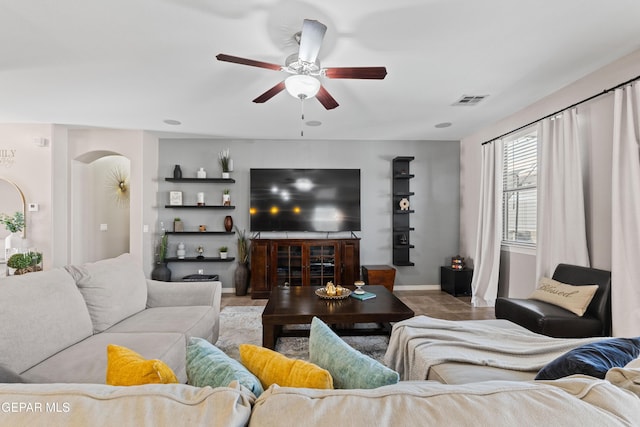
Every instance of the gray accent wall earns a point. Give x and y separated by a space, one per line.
436 201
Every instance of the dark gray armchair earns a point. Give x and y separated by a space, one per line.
554 321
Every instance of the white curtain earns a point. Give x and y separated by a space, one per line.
484 285
625 214
562 236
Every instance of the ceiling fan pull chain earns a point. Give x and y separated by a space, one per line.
301 116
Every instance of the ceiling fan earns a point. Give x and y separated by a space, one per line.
305 69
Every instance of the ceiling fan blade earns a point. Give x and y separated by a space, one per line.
377 73
245 61
326 99
270 93
311 40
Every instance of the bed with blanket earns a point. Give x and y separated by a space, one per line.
459 352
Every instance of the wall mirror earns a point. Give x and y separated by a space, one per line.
11 201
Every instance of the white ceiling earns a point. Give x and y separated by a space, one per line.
134 63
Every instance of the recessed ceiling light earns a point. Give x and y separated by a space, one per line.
443 125
313 123
172 122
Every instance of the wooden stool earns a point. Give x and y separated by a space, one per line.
379 275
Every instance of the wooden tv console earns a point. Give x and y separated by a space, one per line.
302 262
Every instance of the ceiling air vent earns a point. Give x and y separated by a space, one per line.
469 100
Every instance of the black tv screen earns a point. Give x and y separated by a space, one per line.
323 200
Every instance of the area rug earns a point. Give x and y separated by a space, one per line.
243 325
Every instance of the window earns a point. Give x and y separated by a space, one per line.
519 178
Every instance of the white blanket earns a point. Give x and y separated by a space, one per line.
421 342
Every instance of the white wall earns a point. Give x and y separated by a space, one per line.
436 197
596 121
87 145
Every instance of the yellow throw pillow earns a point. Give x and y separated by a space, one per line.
126 367
273 368
574 298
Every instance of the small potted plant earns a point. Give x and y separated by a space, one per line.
178 225
25 262
223 252
226 197
225 162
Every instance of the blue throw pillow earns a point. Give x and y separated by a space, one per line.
207 365
593 359
349 368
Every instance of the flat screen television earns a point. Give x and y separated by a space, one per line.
324 200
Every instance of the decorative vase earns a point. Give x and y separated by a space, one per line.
161 272
14 241
202 174
177 172
241 279
181 251
228 223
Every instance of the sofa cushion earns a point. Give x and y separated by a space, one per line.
113 289
86 362
100 405
126 367
349 368
565 402
40 314
195 321
207 365
9 376
593 359
576 299
273 368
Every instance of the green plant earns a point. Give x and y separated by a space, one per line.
162 247
177 219
226 191
13 223
243 246
223 159
223 249
25 262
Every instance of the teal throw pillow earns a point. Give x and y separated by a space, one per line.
207 365
349 368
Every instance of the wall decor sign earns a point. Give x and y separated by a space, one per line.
175 198
7 156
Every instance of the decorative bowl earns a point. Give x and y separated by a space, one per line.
322 293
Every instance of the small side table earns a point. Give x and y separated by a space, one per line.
383 275
456 282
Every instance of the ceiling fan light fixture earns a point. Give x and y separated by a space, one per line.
302 86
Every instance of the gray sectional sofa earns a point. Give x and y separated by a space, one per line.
55 325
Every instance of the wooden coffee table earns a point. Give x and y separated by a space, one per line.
297 305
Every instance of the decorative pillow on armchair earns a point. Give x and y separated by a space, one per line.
348 367
593 359
574 298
